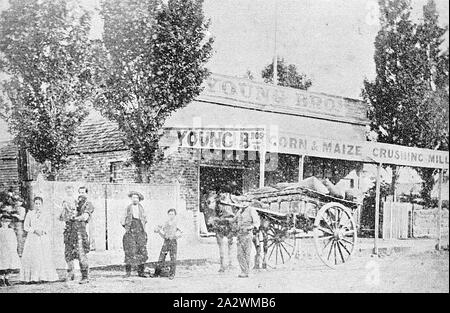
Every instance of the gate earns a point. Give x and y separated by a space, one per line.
396 220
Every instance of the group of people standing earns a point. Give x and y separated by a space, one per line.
25 242
134 220
33 259
233 216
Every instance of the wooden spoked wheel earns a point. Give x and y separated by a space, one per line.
334 234
280 245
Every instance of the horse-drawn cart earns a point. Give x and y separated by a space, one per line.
294 212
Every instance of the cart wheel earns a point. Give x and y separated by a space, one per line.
280 245
334 234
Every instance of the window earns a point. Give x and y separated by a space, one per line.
114 170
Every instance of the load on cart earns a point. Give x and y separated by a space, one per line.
291 210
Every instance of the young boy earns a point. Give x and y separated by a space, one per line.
170 233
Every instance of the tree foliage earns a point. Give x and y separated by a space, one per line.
288 75
49 63
156 55
409 96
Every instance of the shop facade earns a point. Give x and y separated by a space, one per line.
219 139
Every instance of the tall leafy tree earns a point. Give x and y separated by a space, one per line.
288 75
407 97
156 64
434 63
48 61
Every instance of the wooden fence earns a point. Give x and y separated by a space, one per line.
396 220
110 200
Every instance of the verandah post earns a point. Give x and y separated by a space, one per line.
262 167
439 211
377 209
301 163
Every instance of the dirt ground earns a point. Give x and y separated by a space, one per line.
422 272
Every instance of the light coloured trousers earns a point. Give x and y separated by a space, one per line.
244 249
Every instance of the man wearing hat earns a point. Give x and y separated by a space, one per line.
221 219
135 237
247 219
76 239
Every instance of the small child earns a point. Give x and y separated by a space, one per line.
69 205
170 233
9 258
19 218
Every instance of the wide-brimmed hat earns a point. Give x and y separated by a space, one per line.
256 204
240 201
132 193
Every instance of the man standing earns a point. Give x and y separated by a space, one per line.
134 240
76 240
247 219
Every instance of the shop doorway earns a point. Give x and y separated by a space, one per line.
219 178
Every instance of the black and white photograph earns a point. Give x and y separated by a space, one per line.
238 148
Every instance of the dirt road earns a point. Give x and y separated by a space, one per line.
424 272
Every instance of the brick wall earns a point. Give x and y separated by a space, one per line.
180 166
96 167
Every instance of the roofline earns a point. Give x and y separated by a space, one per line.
291 88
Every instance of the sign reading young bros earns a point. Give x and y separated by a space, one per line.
256 139
222 139
243 92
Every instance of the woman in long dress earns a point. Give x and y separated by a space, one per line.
37 260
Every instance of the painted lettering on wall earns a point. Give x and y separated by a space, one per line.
239 90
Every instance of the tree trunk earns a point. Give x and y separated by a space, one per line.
395 174
143 174
427 185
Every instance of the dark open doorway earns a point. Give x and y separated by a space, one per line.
216 178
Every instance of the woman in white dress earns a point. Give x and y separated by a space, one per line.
37 260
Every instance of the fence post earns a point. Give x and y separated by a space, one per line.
106 217
391 218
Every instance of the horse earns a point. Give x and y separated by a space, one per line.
221 220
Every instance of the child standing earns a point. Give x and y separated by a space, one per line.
170 233
9 259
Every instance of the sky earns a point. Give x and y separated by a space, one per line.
329 40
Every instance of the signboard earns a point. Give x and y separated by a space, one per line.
246 93
407 156
363 151
257 139
244 139
317 147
